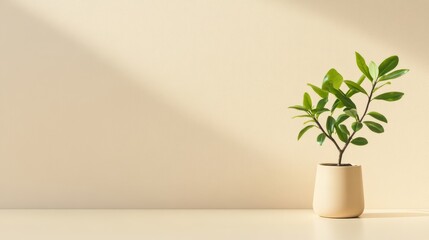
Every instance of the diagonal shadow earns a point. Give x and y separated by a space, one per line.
392 22
79 133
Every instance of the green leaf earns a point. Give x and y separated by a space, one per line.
309 121
341 135
351 92
306 102
341 118
378 116
305 129
360 141
373 126
390 96
337 104
360 61
356 126
343 98
388 65
332 79
386 83
360 80
322 102
298 107
322 93
352 113
394 74
344 129
373 70
321 138
302 116
354 86
330 125
320 111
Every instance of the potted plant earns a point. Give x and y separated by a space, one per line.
338 189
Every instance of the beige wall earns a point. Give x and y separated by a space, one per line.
183 104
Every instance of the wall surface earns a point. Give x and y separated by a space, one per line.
183 104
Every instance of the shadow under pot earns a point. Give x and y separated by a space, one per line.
338 191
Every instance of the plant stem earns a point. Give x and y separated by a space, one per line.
327 135
340 157
341 151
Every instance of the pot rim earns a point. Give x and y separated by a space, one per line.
336 166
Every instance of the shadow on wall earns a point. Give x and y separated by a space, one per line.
393 22
78 133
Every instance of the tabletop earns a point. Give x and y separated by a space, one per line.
209 224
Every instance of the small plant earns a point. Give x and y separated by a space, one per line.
335 128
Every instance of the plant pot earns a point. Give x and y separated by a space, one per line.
338 192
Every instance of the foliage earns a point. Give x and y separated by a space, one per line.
335 128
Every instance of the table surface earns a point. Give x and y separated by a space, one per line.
210 224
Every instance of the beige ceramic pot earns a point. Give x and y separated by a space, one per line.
338 192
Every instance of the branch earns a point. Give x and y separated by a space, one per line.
324 132
363 115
